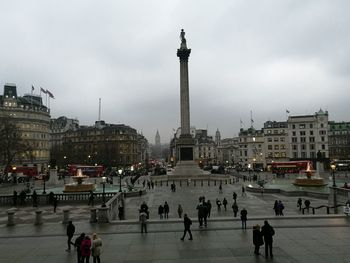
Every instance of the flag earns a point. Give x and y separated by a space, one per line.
252 120
32 88
287 111
50 94
43 91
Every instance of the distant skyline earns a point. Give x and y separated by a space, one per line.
261 56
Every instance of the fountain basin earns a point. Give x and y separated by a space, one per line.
309 182
84 187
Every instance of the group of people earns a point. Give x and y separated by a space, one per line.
204 210
85 246
278 207
263 236
163 211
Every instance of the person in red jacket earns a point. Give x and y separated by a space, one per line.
85 249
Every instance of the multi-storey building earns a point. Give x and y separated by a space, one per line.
228 151
251 155
205 148
339 140
108 144
58 128
307 135
276 141
32 119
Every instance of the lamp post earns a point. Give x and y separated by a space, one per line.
44 177
120 172
103 193
334 189
333 174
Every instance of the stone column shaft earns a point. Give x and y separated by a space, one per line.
184 98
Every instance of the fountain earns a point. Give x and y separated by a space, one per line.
79 185
307 179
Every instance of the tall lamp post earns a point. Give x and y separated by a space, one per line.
120 172
334 189
44 177
104 180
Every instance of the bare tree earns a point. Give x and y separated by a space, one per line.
12 146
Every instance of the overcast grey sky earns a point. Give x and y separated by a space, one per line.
264 56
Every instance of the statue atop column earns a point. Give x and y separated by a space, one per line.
183 40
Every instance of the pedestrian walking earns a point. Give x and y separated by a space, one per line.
220 188
152 184
70 234
235 209
160 211
77 245
179 211
268 232
187 224
143 221
85 249
200 208
234 196
275 208
209 208
280 208
257 239
166 210
35 199
96 245
243 191
244 214
121 212
144 207
55 203
299 203
218 204
307 204
91 198
224 202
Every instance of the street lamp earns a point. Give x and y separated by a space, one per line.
333 174
120 172
104 179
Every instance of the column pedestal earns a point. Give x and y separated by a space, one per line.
103 215
38 217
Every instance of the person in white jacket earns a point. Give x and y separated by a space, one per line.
96 245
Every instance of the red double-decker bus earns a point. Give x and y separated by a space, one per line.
31 171
92 171
290 167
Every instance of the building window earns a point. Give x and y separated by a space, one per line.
312 139
322 138
323 147
312 154
269 147
275 139
293 126
295 154
311 132
311 126
302 139
269 139
277 147
301 126
312 146
302 133
303 154
303 147
282 139
295 147
294 139
294 133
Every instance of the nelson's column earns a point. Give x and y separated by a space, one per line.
186 166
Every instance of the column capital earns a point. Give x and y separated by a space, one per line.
183 54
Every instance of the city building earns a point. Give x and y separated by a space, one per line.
32 121
307 135
108 144
58 129
276 143
204 148
339 140
228 151
251 149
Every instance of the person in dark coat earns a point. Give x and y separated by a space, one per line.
187 224
257 239
166 210
77 244
235 209
35 199
160 211
224 202
275 208
244 214
299 203
209 208
55 203
85 249
200 208
267 231
307 204
234 196
70 233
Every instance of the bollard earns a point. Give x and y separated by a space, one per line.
327 210
93 215
214 182
180 183
225 181
194 182
303 211
10 217
313 210
187 182
202 182
156 183
208 182
167 183
65 216
161 183
38 217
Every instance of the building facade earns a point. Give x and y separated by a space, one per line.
228 151
339 140
32 121
308 134
275 142
251 155
107 144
